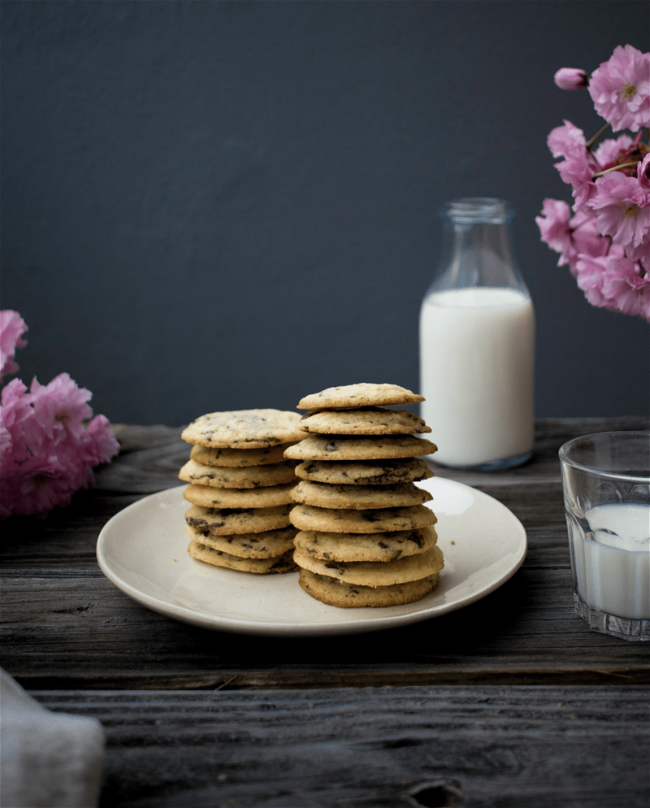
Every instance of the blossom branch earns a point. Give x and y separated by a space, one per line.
614 168
606 242
598 134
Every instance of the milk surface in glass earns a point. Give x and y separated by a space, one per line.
612 559
476 373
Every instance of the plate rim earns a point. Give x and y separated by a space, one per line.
242 626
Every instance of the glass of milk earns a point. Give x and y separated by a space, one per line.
477 343
606 481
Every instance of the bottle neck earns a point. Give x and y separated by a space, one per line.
477 248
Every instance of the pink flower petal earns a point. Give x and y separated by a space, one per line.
627 287
610 149
12 327
620 89
46 453
643 173
567 140
622 211
104 441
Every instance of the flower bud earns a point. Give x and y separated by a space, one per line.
571 78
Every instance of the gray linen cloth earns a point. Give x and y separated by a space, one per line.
47 760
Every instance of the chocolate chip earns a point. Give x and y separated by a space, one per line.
339 568
383 545
198 523
332 446
371 516
416 538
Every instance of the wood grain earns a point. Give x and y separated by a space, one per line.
375 747
65 625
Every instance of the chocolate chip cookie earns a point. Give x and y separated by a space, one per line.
352 447
338 593
358 497
210 497
364 421
383 520
365 546
364 472
359 395
244 429
246 477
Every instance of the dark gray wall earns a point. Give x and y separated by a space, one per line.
220 205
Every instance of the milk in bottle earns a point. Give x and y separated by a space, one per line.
477 343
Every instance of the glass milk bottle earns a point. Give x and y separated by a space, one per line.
477 343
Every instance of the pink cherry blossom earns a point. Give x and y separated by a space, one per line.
571 78
578 171
643 173
622 211
12 327
15 411
60 407
566 140
620 89
570 236
614 282
590 274
578 166
46 453
104 442
554 226
606 154
44 481
585 237
624 284
607 242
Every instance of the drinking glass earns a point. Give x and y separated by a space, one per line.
606 481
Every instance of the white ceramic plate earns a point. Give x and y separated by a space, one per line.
143 551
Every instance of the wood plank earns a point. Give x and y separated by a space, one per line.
151 456
149 460
536 746
85 633
64 622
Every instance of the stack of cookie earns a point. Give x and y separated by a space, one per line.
239 484
366 538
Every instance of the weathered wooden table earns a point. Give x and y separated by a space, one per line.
511 701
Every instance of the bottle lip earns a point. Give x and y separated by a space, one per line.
469 210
